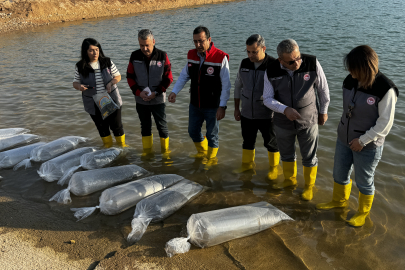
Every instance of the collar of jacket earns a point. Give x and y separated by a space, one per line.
211 50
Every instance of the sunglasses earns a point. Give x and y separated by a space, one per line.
293 61
350 109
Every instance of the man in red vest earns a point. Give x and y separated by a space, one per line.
208 69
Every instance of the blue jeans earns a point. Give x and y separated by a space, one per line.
196 118
364 163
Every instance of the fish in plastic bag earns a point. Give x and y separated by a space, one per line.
161 205
117 199
91 161
10 158
18 140
215 227
55 168
51 150
8 132
87 182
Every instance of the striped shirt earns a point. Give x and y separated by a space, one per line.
322 87
100 87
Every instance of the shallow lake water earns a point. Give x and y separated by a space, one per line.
37 69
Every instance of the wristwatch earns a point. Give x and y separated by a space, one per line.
223 107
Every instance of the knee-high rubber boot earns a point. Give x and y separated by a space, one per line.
147 144
365 202
107 141
290 175
310 178
202 148
248 158
121 140
340 197
164 146
211 158
274 160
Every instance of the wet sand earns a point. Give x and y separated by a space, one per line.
24 14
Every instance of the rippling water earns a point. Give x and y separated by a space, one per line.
36 73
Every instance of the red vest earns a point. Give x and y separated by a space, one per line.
206 86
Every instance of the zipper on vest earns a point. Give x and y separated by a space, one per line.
199 76
292 97
254 84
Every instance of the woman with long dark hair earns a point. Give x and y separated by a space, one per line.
96 73
369 99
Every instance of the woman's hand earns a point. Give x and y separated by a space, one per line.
355 145
109 86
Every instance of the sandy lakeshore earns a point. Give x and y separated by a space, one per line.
22 14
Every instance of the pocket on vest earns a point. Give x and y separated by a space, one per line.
359 131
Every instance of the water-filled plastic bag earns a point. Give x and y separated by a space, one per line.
18 140
8 132
8 159
117 199
161 205
219 226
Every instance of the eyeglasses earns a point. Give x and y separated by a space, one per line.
199 41
293 61
350 109
253 52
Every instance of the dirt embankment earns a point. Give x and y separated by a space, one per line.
20 14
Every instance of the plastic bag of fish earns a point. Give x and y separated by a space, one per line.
117 199
87 182
219 226
8 159
8 132
18 140
91 161
54 169
161 205
51 150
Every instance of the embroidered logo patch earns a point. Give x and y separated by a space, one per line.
159 64
210 70
306 77
244 70
370 101
190 65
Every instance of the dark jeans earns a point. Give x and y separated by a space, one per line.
249 133
145 113
196 118
112 122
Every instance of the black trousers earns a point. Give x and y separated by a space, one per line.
112 122
145 113
249 133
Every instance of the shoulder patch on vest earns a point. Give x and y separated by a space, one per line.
370 101
307 77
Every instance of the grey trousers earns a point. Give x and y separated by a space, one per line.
307 140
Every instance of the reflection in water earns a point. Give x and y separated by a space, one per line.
37 68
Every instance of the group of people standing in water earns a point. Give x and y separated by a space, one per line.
285 98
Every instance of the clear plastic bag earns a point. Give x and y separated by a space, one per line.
51 150
117 199
8 132
219 226
105 103
91 161
87 182
17 140
8 159
161 205
55 168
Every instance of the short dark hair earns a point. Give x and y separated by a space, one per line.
256 38
200 29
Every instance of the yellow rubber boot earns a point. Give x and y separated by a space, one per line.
290 175
211 158
365 202
340 197
164 146
310 178
107 141
121 141
248 158
274 160
147 144
202 148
